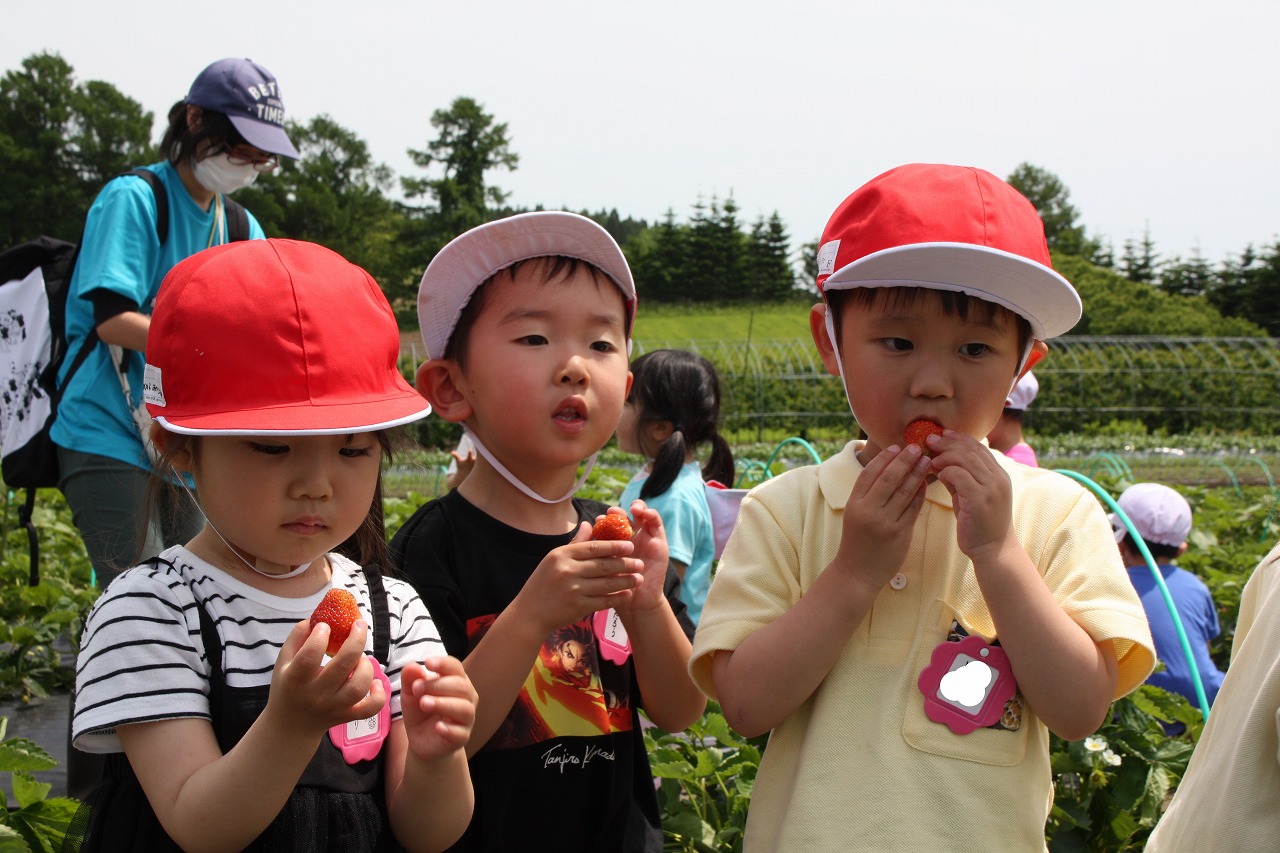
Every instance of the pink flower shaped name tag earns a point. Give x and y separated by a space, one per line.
967 684
611 634
361 740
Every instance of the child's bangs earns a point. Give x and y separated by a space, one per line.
970 309
953 303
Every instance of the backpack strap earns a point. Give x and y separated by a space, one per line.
237 220
162 200
381 614
33 540
237 216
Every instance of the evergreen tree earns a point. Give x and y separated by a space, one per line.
469 145
1051 200
1250 287
1140 262
1192 277
658 258
768 274
697 280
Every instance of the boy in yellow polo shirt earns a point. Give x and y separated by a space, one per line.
912 617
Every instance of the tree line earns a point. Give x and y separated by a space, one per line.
61 140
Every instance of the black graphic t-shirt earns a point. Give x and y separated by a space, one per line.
567 769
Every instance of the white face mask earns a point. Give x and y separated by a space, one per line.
218 174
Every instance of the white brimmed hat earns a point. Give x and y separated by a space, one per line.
1023 393
951 228
1161 515
471 258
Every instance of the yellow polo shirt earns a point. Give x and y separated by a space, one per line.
1227 799
859 766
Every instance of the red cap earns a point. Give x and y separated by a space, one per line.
950 228
274 336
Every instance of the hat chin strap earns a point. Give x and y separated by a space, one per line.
515 481
275 577
831 336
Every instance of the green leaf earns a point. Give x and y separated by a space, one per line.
21 754
1123 826
689 825
11 841
671 770
708 761
44 824
26 790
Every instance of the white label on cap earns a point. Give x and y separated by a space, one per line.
827 257
152 387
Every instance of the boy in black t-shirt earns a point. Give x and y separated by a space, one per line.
527 324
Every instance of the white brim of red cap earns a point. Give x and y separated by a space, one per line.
265 136
474 256
1046 299
318 420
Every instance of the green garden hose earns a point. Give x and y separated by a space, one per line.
1155 571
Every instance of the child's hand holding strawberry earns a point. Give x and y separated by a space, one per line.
317 697
981 493
879 515
650 541
575 580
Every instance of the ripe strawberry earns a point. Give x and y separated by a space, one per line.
612 526
918 430
338 610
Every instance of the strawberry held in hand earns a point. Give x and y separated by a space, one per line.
339 611
612 526
918 430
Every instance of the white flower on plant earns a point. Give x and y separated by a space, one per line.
1095 744
1111 758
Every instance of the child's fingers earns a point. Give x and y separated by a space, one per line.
300 655
895 481
351 652
646 517
297 639
370 703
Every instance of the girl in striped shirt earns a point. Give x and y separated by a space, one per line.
271 375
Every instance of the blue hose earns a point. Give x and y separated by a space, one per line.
1155 571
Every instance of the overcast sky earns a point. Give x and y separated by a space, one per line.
1156 115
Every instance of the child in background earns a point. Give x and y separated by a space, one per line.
911 618
1163 520
527 322
673 408
271 373
1006 436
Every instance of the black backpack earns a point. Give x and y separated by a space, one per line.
34 279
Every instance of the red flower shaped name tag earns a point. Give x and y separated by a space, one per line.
967 684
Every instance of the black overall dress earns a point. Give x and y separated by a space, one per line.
335 806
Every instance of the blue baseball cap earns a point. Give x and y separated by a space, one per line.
248 94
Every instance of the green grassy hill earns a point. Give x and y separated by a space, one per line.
677 324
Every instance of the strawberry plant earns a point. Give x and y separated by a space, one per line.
705 776
34 822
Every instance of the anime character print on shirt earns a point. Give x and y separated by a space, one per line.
572 690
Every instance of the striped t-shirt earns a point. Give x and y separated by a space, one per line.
142 659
